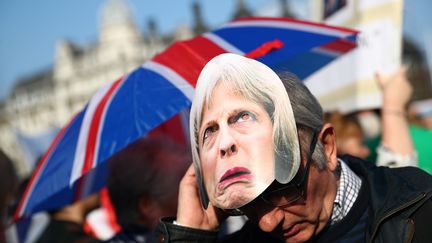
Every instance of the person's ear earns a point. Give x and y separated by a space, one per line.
327 136
145 206
149 211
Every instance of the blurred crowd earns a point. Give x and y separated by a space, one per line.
397 134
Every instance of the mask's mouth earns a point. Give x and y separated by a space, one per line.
235 173
233 176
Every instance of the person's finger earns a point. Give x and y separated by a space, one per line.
381 79
189 176
404 69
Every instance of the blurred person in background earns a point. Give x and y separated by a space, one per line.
420 117
8 187
349 133
66 224
420 113
143 185
395 147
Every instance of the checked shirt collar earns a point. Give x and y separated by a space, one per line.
347 192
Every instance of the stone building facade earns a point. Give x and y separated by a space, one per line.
42 103
47 100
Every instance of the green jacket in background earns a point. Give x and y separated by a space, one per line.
422 139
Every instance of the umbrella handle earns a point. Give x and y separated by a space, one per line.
265 48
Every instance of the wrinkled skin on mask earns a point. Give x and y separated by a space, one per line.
236 149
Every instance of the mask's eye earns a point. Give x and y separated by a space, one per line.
209 131
244 116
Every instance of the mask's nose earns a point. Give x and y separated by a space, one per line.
227 145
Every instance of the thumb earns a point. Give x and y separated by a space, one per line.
381 79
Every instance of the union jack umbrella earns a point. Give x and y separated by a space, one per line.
132 106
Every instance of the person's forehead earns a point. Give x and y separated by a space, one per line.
223 90
224 101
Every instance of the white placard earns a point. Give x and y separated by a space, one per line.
348 83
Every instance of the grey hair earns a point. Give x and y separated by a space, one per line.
261 85
309 115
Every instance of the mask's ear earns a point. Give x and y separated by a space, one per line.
327 136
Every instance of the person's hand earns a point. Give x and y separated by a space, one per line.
396 89
190 212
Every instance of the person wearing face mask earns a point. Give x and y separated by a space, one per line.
260 148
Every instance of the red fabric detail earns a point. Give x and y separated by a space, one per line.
109 208
265 48
187 58
291 20
89 230
92 136
340 45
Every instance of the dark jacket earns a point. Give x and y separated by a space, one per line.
64 231
400 202
132 234
400 209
